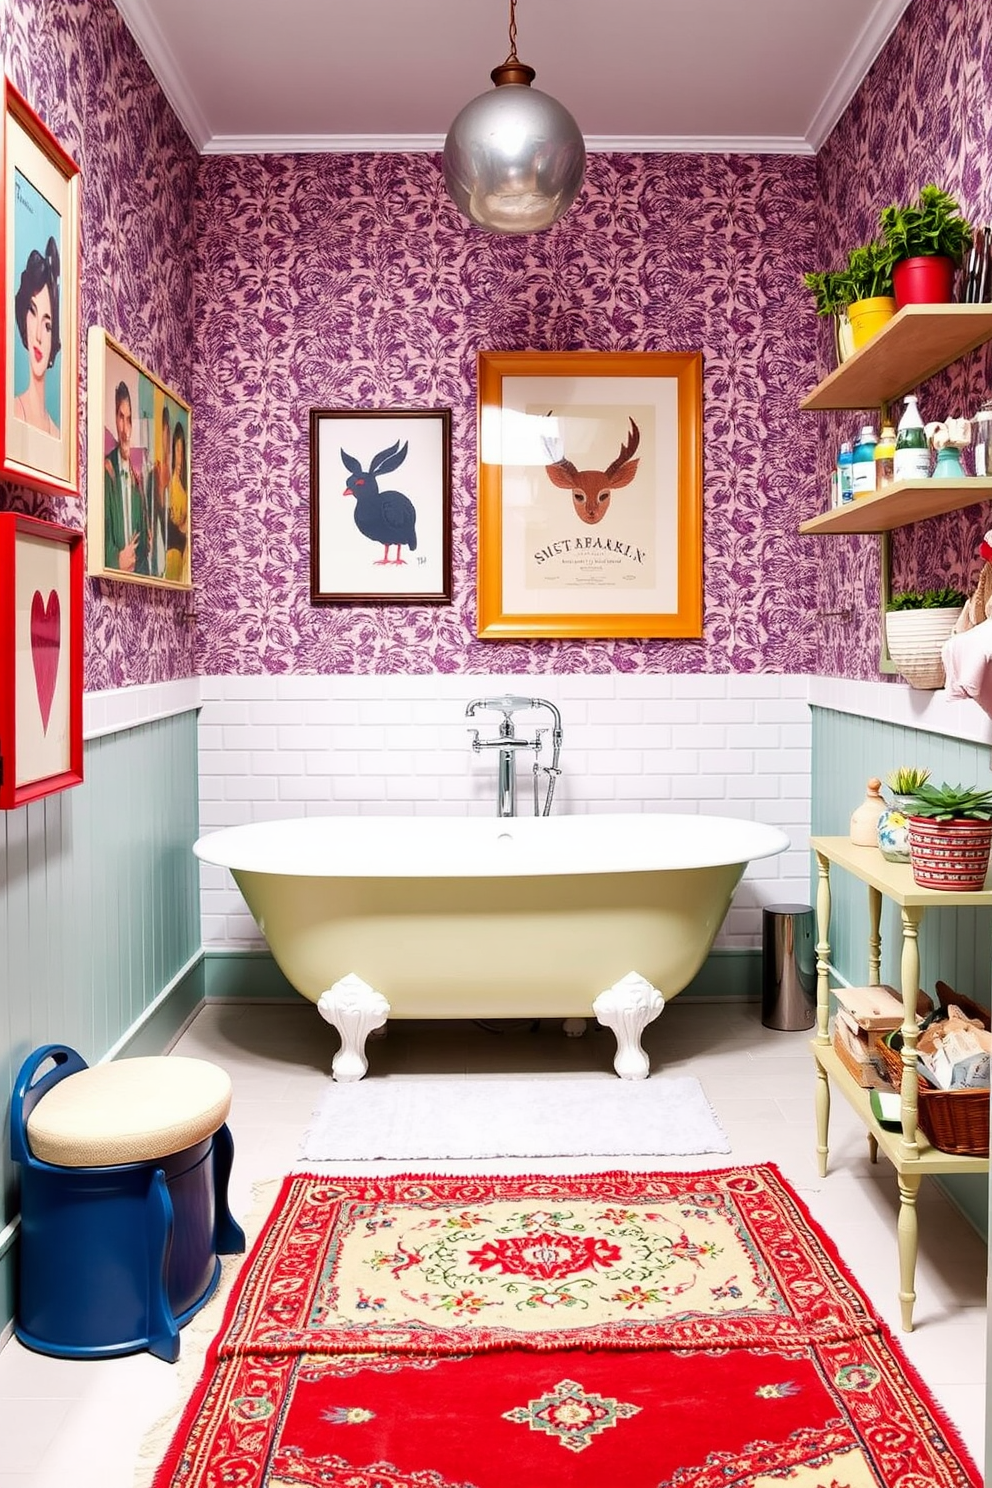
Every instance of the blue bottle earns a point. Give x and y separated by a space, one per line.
845 472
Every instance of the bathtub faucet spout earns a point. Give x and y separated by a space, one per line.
507 742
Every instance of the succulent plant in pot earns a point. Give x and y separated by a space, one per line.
917 623
950 837
927 240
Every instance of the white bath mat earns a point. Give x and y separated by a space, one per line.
411 1117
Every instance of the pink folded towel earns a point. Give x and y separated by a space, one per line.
967 659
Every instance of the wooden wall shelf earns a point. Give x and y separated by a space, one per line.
899 505
919 341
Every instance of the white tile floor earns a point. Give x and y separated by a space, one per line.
72 1424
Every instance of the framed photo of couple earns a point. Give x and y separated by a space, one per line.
39 430
138 500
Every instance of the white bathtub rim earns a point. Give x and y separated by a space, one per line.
485 847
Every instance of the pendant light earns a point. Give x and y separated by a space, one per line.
514 158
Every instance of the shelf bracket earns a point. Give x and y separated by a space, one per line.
885 662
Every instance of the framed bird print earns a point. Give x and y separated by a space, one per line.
590 494
380 506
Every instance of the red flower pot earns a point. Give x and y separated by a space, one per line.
950 855
923 281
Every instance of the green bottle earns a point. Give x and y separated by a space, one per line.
912 457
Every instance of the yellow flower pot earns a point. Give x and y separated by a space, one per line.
869 316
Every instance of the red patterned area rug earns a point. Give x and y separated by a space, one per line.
660 1330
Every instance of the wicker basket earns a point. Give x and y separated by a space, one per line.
955 1121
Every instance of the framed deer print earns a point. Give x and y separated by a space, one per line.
380 506
41 658
590 494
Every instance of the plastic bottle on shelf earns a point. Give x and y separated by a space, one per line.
912 457
845 472
885 457
983 439
863 467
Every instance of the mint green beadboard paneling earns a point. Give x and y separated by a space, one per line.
955 944
253 976
99 909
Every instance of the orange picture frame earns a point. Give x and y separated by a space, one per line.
590 494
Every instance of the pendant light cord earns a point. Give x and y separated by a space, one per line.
513 70
512 57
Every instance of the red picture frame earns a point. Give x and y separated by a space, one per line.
41 659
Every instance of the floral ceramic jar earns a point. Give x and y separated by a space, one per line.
893 829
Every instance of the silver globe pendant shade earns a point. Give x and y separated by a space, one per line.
514 158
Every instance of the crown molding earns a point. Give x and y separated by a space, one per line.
139 18
431 144
698 144
866 47
323 144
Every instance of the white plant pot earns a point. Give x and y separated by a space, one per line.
915 639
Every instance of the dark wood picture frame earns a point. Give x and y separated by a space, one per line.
380 483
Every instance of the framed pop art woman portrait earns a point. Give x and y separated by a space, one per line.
41 658
39 431
138 496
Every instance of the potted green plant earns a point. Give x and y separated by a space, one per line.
917 623
860 293
950 836
866 283
927 240
893 824
829 290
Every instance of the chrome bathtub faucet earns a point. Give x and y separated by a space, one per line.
508 742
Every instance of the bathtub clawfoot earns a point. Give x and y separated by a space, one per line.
628 1007
354 1009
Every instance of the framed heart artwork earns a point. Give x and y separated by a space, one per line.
41 659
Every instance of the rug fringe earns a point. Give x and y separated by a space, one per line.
199 1333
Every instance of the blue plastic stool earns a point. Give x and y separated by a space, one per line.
115 1258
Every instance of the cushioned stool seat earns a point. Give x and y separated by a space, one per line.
124 1172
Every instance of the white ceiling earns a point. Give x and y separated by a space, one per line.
288 75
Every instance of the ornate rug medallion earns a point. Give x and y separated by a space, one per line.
571 1415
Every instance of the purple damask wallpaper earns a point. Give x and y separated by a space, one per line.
77 65
924 113
261 286
349 281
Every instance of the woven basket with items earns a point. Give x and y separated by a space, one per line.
955 1120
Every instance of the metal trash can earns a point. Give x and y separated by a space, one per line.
788 967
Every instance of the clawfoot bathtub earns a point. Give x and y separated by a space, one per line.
468 917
